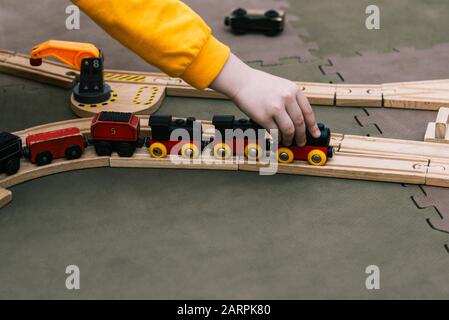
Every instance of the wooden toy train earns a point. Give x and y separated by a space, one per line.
120 132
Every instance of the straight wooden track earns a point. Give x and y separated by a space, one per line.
143 92
356 157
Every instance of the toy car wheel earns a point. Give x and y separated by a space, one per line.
44 158
317 158
253 151
240 12
158 150
285 155
103 148
190 151
73 152
222 151
12 166
271 14
125 150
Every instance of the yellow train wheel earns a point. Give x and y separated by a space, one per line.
222 151
190 151
285 155
253 151
158 150
317 158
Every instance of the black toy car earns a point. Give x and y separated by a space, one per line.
10 153
270 22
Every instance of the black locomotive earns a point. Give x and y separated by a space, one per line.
162 142
10 153
316 151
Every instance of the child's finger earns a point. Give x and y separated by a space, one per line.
268 124
286 127
295 114
309 117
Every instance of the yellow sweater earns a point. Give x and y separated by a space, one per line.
165 33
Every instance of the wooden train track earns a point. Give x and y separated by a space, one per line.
356 157
143 92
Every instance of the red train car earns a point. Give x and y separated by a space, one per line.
316 152
115 131
314 155
42 148
241 146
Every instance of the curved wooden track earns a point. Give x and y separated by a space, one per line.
143 92
356 157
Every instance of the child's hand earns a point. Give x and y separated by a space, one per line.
273 102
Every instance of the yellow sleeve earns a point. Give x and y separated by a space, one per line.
165 33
